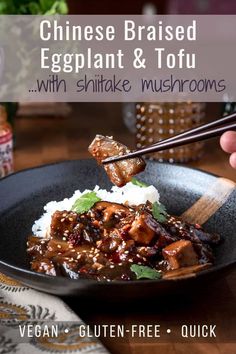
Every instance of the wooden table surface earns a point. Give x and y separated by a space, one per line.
50 139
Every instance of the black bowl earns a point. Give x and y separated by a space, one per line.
23 195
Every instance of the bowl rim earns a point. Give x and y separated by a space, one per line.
28 169
56 279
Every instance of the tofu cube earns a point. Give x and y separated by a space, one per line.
140 232
180 254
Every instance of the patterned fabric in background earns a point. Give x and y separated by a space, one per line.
20 305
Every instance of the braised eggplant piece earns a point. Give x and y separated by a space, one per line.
111 241
45 266
63 223
67 271
120 172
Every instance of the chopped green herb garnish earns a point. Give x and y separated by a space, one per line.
159 212
144 272
138 183
33 7
85 202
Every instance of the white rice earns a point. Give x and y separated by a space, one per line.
130 193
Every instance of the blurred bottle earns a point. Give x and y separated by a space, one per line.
6 144
229 108
11 109
128 112
158 121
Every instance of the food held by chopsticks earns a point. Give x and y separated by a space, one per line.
199 133
120 172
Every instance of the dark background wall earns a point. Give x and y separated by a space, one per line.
113 6
162 6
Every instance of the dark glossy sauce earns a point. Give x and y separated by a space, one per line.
103 243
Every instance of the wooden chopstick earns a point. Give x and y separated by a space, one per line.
187 138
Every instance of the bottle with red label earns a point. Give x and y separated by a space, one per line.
6 144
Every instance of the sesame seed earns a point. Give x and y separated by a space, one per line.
58 246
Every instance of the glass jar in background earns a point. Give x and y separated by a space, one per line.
158 121
6 144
